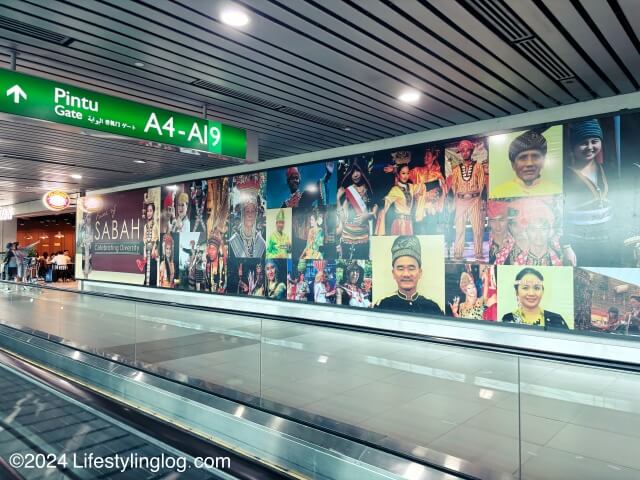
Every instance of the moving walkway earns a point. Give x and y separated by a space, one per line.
319 401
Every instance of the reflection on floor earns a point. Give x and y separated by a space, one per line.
575 422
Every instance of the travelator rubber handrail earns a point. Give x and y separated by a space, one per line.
182 440
583 360
8 472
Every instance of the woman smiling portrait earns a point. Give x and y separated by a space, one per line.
529 292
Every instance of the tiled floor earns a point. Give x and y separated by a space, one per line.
492 410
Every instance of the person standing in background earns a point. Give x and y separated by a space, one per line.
10 262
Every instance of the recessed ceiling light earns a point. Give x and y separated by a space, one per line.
138 64
234 17
410 96
347 129
76 176
139 161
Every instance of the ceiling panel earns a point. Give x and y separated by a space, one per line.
304 75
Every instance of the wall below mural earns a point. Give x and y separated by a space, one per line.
537 227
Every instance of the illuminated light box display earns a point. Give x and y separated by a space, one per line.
533 227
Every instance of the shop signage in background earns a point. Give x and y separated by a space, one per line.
56 200
6 213
35 97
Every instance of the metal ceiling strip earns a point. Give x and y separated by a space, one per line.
451 21
616 33
538 21
428 51
312 33
125 45
328 75
85 55
252 57
588 40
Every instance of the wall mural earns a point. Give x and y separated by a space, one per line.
538 227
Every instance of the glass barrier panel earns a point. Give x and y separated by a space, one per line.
215 351
95 324
579 422
447 405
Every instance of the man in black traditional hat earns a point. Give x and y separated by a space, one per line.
528 154
406 262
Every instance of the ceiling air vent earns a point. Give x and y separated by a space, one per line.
7 23
312 118
498 15
265 103
236 94
544 57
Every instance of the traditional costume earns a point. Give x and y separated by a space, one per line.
408 246
275 288
247 244
467 182
358 204
588 211
401 197
279 243
430 202
167 266
529 140
311 197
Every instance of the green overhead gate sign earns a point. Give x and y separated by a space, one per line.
35 97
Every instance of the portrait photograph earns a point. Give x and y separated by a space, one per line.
168 271
472 291
537 296
408 273
198 205
355 207
279 229
354 283
151 235
528 231
246 277
526 163
176 208
302 186
467 177
192 261
276 272
626 192
607 300
313 234
247 218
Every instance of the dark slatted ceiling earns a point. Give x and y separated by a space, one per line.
304 75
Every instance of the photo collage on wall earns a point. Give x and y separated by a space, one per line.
537 227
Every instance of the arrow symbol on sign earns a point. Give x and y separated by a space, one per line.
17 92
